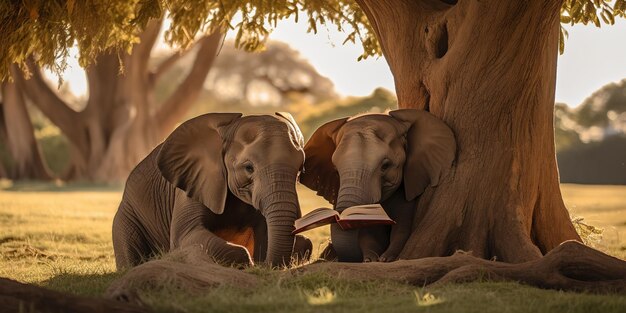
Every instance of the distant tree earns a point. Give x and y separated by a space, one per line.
487 68
278 73
379 101
18 136
591 138
605 107
565 127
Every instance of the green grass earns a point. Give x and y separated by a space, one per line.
60 237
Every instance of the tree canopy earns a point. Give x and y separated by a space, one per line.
49 29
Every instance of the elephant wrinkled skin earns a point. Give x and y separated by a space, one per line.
216 173
377 158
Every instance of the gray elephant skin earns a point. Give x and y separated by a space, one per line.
216 173
377 158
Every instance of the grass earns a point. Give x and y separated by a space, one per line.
60 237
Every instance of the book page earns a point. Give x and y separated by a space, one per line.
365 212
316 218
364 216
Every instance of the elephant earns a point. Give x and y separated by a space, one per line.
387 158
218 173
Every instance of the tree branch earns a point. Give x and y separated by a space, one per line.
169 62
179 102
50 104
142 50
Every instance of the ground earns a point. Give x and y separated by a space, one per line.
60 237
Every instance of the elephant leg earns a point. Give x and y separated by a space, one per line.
188 229
129 244
302 249
346 244
329 253
373 242
216 247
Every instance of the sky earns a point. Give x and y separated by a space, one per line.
593 58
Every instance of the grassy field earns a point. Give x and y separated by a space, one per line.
60 237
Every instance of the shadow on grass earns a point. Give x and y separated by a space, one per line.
57 186
93 285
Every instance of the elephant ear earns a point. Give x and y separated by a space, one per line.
319 172
191 158
296 130
431 149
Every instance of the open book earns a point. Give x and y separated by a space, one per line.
353 217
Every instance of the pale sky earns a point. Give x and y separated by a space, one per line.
593 57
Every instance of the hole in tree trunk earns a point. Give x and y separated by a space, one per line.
426 98
442 42
450 2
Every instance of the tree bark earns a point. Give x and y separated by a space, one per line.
488 69
28 162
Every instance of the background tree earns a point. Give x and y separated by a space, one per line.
276 77
591 138
18 134
121 121
486 68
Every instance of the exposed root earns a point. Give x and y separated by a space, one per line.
571 266
188 269
19 297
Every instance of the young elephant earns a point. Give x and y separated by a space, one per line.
363 159
218 173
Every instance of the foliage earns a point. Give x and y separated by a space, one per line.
49 28
60 237
587 11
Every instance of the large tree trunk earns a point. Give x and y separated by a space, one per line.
122 122
488 69
28 162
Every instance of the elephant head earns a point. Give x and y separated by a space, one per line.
366 158
256 158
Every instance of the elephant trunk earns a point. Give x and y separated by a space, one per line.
279 204
357 188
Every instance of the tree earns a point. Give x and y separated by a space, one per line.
121 121
277 78
486 68
18 134
278 73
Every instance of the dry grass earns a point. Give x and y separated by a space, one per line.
60 237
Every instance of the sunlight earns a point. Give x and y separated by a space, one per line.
320 296
427 299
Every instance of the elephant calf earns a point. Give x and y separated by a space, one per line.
377 158
218 173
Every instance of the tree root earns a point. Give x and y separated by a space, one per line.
19 297
188 269
571 266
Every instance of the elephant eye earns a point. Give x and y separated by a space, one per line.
385 165
249 168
